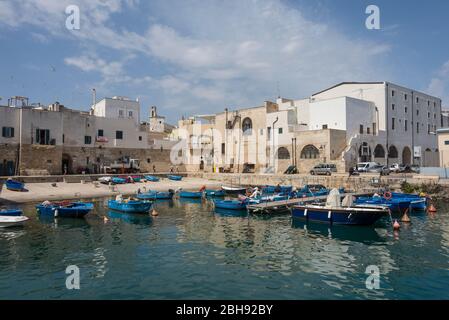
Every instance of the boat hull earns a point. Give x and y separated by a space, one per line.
174 178
75 210
230 204
338 216
12 221
11 213
152 178
130 206
215 193
233 190
14 185
191 195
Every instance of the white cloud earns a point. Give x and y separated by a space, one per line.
217 53
439 85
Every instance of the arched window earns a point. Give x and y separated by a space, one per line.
283 153
392 152
310 152
247 126
379 151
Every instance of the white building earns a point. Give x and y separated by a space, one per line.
117 108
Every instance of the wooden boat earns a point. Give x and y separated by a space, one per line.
152 178
215 193
11 212
277 189
14 185
191 194
65 209
174 178
12 221
233 190
130 206
230 204
396 205
339 215
118 180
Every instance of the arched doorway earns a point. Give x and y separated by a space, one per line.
283 154
379 151
247 126
406 156
392 152
364 152
67 163
310 152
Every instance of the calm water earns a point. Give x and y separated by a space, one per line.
188 252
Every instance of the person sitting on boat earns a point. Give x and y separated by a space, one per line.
256 193
119 198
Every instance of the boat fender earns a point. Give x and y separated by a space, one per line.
329 215
396 225
305 213
388 195
432 208
56 212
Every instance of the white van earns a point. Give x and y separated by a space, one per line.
365 166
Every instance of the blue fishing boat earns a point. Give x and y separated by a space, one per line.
150 195
130 206
230 204
396 205
174 178
14 185
277 189
65 209
164 195
11 212
191 194
417 202
215 193
136 178
118 180
152 178
339 215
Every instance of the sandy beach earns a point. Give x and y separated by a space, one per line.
45 191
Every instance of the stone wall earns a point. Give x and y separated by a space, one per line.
8 158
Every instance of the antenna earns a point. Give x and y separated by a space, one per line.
278 90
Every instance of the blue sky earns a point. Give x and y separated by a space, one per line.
195 57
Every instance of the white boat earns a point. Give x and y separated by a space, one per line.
12 221
105 180
228 189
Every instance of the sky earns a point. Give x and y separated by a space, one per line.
197 57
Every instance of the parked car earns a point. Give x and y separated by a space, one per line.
415 168
365 166
324 168
395 167
381 169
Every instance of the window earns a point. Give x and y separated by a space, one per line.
310 152
392 93
324 126
417 112
140 138
405 125
361 129
87 139
43 136
268 132
223 148
130 114
393 123
405 109
392 106
121 113
379 151
428 115
368 130
417 99
247 127
374 128
280 130
392 152
119 135
417 127
428 103
446 142
405 96
100 132
149 159
8 132
428 129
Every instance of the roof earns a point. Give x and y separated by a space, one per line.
343 83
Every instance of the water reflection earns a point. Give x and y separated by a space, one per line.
144 219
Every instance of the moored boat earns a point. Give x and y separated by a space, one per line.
152 178
12 221
155 195
191 194
396 205
14 185
65 209
277 189
343 215
230 204
130 206
215 193
105 180
174 178
118 180
11 212
233 190
136 178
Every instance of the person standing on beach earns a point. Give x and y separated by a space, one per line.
154 168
